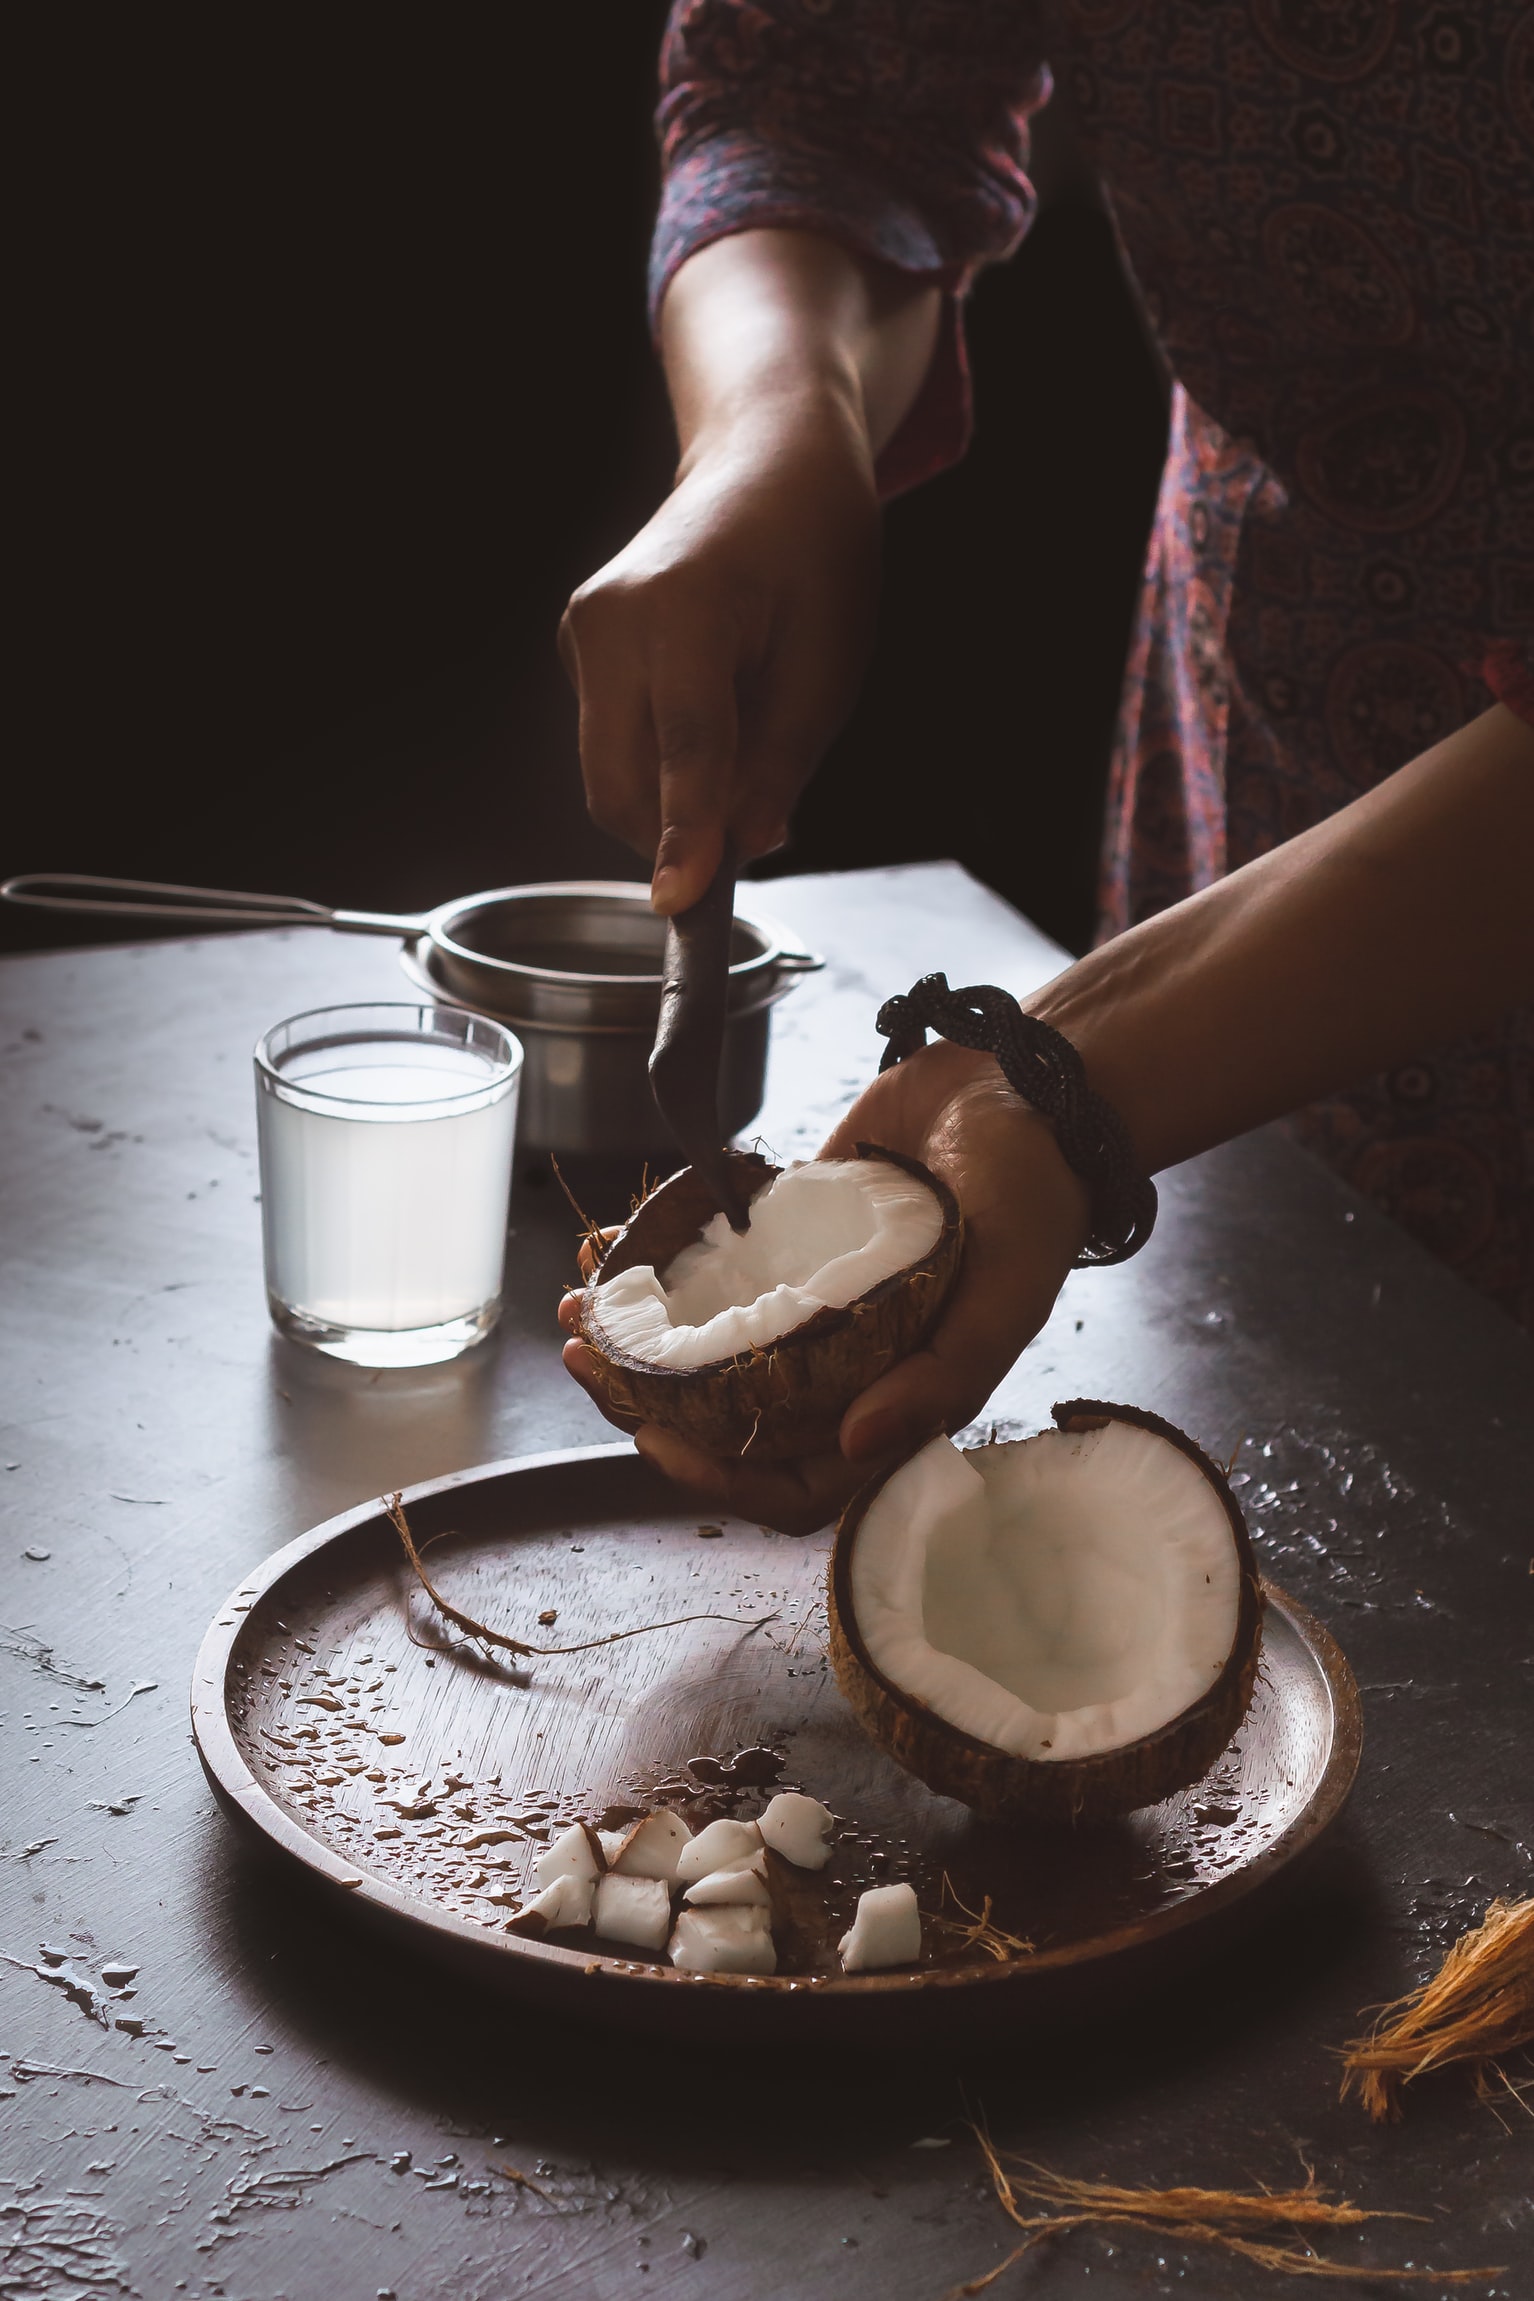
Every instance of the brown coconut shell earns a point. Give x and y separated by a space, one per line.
790 1398
1007 1788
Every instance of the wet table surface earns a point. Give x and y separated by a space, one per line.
304 2114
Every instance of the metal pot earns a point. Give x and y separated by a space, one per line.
578 978
573 966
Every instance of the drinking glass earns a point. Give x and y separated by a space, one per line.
386 1143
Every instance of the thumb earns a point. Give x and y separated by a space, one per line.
901 1410
995 1310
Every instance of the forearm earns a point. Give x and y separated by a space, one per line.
771 327
1402 921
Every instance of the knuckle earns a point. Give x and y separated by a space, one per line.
575 623
589 598
596 612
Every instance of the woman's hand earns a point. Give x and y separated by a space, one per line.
717 655
1025 1217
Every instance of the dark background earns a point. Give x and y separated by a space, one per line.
338 381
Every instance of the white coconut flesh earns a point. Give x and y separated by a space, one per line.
567 1902
820 1236
886 1931
798 1828
632 1909
742 1888
1056 1598
620 1882
732 1940
572 1855
652 1848
722 1845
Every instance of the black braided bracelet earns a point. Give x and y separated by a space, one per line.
1045 1069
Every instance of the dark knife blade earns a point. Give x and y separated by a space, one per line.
689 1039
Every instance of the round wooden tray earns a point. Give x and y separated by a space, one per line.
339 1717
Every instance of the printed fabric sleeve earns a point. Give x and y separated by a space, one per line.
1508 670
898 127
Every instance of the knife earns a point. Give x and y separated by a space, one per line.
689 1038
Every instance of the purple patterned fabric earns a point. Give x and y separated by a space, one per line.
901 129
1329 211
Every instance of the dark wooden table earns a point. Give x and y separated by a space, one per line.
158 1441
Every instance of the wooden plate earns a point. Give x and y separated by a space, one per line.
338 1717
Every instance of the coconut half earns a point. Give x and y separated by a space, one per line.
763 1339
1066 1628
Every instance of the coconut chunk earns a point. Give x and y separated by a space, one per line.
722 1846
821 1235
738 1888
633 1909
798 1828
651 1848
886 1930
565 1902
1054 1598
575 1853
734 1940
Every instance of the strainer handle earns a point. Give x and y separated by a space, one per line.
190 906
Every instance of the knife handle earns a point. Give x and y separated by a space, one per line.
689 1038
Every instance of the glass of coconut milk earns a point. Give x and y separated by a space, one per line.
386 1140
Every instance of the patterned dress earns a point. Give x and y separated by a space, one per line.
1327 207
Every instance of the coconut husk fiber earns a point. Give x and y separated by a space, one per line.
1477 2009
1271 2228
481 1633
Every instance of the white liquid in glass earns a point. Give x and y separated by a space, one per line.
387 1209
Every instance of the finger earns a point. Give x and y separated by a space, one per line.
1018 1248
790 711
586 1256
760 828
792 1497
693 713
579 1362
1024 1221
988 1321
777 753
617 741
767 787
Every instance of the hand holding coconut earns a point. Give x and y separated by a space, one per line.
1212 1017
1024 1216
